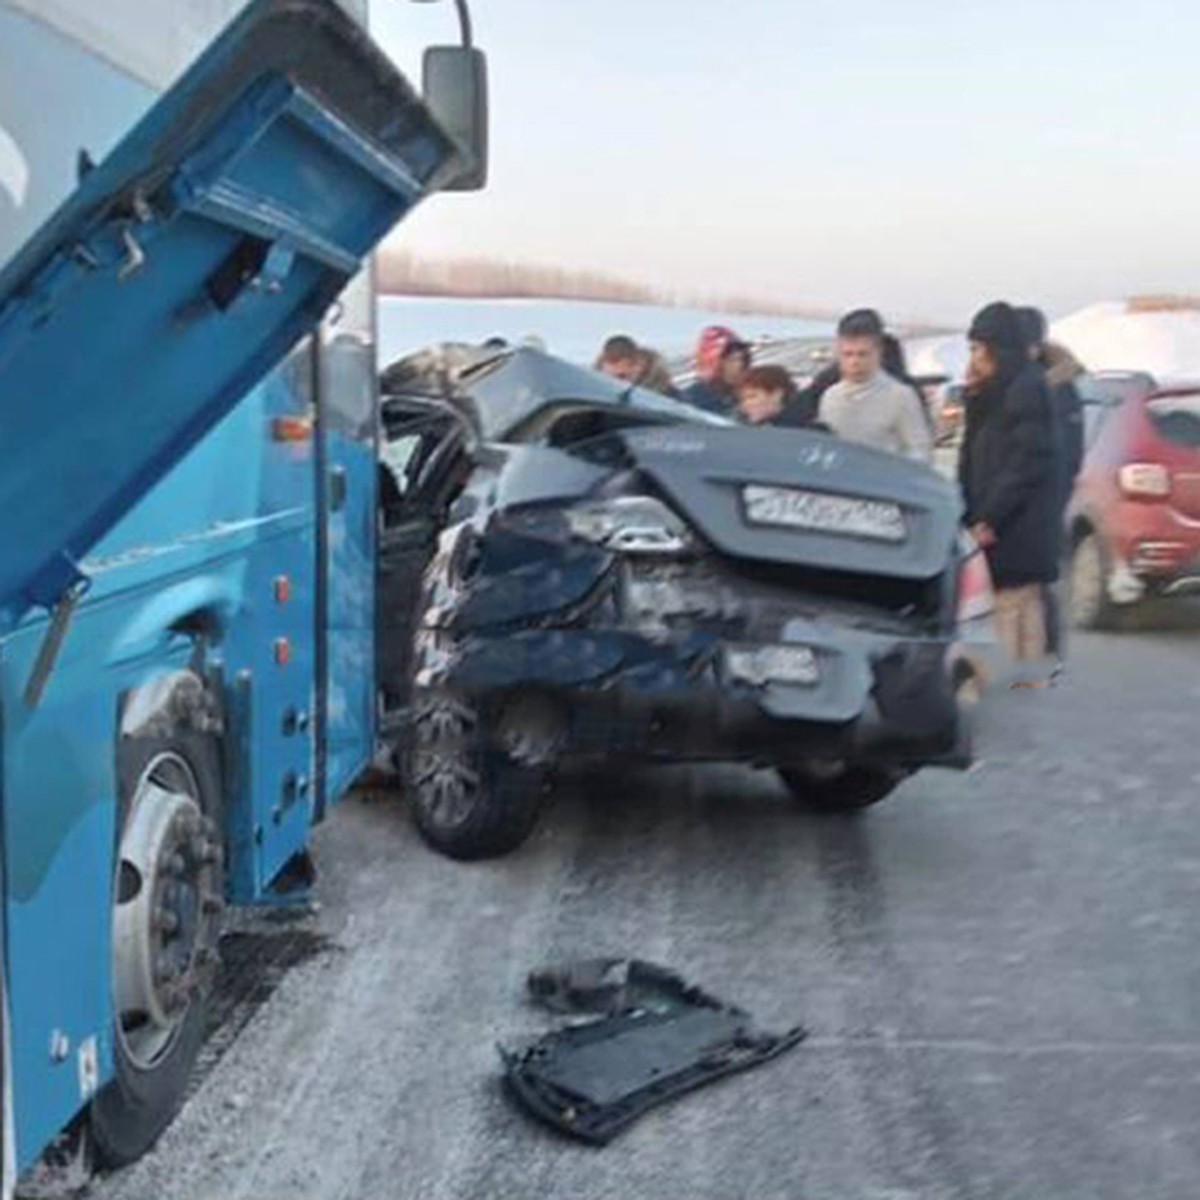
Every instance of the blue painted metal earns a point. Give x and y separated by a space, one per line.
182 269
349 463
146 463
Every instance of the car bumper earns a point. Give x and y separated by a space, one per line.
1156 544
877 698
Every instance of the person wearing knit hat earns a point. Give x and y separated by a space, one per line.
722 360
1009 475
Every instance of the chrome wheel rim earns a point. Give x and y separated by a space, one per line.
165 909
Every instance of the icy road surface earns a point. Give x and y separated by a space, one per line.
1001 971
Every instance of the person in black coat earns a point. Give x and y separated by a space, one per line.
1062 370
1066 406
1008 469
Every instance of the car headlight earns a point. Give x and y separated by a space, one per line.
631 525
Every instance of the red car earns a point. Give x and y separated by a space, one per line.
1134 518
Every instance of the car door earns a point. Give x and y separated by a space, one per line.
422 463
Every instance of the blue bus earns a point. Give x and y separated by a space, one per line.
188 415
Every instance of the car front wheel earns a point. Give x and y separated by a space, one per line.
469 800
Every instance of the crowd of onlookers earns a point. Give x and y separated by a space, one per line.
1021 449
865 394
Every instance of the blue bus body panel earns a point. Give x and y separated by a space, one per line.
183 268
137 329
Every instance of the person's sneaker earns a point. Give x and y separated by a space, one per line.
1039 681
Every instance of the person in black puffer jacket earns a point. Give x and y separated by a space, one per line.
1009 473
1062 369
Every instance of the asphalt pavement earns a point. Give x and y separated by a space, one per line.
1000 970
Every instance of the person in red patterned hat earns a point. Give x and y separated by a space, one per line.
722 360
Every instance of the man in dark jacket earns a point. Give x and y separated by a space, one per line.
1009 474
722 360
1062 370
622 358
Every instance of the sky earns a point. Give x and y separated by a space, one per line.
921 156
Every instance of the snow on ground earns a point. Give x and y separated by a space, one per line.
572 329
1118 336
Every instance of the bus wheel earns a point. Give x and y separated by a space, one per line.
166 923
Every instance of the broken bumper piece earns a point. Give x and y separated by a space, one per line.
660 1039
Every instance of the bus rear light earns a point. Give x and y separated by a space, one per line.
1143 481
283 651
283 589
292 429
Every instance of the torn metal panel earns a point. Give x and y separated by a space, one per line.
660 1038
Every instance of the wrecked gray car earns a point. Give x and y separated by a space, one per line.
573 570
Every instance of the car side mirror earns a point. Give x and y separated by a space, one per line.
455 87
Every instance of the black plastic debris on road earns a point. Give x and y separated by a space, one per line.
656 1038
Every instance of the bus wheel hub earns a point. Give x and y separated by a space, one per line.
167 908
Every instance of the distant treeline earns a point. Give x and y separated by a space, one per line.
1151 304
404 274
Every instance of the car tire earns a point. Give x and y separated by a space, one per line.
836 787
1091 606
149 1084
469 800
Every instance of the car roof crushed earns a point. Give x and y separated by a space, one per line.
503 389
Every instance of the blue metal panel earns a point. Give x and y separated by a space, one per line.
59 838
349 628
106 385
349 416
208 241
271 706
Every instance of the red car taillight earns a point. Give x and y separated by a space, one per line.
976 599
1144 481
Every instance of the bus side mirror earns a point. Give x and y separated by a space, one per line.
456 93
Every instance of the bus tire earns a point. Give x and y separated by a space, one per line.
166 926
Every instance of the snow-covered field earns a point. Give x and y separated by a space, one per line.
1107 336
1115 337
572 329
1111 336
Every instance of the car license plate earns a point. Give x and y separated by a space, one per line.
824 512
760 665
